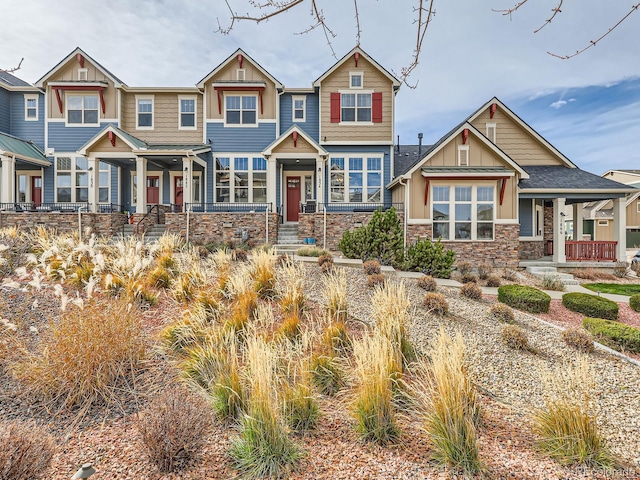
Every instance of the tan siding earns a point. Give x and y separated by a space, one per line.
397 194
69 72
373 80
165 119
515 141
622 177
104 145
604 233
252 74
303 147
633 217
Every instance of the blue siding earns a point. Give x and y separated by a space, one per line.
209 180
114 184
33 131
5 118
312 115
166 188
125 173
234 139
70 139
48 183
526 217
278 191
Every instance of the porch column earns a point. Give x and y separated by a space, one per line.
272 172
577 221
319 180
8 182
141 174
187 181
559 254
94 183
620 227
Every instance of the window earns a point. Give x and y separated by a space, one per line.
463 155
31 108
83 74
299 109
356 179
470 216
603 223
355 79
104 175
491 132
637 207
241 109
82 110
241 74
144 113
356 107
241 180
72 179
187 113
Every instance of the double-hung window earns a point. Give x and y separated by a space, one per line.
103 182
299 113
82 109
463 212
31 108
356 107
187 113
144 113
356 179
259 180
241 109
72 180
241 179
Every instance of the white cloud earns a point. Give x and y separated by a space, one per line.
558 104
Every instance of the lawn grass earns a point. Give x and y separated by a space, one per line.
615 288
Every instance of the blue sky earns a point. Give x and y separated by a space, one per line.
588 107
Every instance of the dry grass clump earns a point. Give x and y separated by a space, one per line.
263 271
375 280
85 357
335 339
593 274
464 267
450 404
621 269
484 270
579 339
185 286
291 288
335 295
174 428
515 337
240 255
502 313
552 282
390 308
509 274
327 267
471 290
325 258
567 425
493 281
327 373
436 303
300 407
468 278
371 267
428 283
26 451
291 327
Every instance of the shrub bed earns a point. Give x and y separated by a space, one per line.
634 302
590 305
614 334
525 298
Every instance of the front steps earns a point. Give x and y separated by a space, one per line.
152 234
288 241
546 271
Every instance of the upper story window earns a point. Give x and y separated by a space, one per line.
463 155
491 132
83 74
82 109
356 107
355 79
187 113
299 109
31 108
144 113
241 109
241 74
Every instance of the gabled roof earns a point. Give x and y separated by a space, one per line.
558 178
12 81
22 149
524 125
628 172
78 50
294 128
133 142
394 80
232 57
405 156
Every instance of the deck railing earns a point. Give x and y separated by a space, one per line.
228 207
595 251
358 207
44 207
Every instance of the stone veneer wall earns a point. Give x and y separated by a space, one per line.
502 252
548 227
222 227
531 250
105 224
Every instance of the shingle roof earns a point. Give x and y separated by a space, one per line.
12 80
561 177
177 147
407 155
23 149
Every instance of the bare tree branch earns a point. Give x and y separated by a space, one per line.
358 31
509 11
14 69
425 15
279 7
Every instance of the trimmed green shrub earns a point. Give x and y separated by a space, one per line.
430 258
381 239
614 334
590 305
525 298
634 302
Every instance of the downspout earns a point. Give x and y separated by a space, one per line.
406 209
324 241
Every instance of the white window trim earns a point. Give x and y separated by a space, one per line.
195 111
637 207
356 74
108 187
232 193
358 92
603 223
365 171
474 211
149 173
66 112
28 187
72 172
81 72
304 108
463 148
26 117
495 132
241 125
153 111
242 71
172 185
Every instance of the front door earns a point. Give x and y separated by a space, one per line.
36 191
178 187
153 190
293 198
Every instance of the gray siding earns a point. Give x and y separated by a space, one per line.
240 139
48 192
114 186
5 118
70 139
526 217
33 131
311 125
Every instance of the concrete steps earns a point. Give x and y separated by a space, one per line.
288 234
546 271
152 234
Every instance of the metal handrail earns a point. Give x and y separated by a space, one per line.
156 207
358 206
228 207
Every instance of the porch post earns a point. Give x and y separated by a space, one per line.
620 227
577 221
272 172
8 182
559 254
94 183
319 180
141 174
187 181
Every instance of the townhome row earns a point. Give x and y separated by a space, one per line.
240 154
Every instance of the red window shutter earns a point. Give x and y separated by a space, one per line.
376 107
335 107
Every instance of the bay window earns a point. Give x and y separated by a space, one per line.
463 212
356 179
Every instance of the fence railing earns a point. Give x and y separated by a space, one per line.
228 207
110 208
44 207
595 251
355 207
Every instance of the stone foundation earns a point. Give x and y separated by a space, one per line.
531 250
102 224
223 227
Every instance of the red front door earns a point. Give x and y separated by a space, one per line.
153 190
293 198
178 187
36 190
